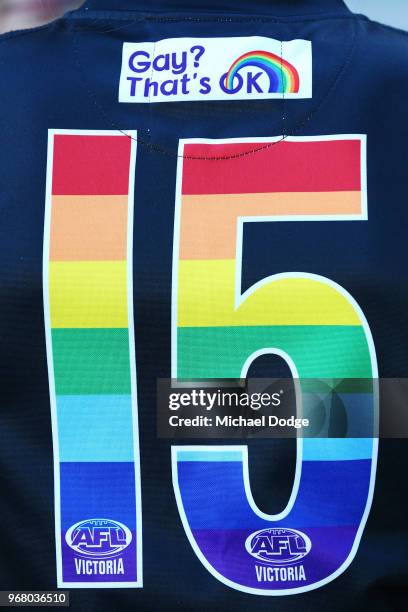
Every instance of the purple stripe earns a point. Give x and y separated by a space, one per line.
225 551
70 559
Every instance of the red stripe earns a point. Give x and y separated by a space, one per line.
91 165
287 166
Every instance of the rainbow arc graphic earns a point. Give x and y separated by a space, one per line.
283 76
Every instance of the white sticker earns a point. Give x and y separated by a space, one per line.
197 69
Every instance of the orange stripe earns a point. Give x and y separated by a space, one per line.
88 228
208 222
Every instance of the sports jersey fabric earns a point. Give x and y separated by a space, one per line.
119 256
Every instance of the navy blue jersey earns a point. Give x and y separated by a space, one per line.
199 191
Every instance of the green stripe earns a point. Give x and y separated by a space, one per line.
339 385
91 361
318 351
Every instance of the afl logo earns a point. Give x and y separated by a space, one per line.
98 538
278 546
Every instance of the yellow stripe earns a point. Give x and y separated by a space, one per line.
207 298
88 294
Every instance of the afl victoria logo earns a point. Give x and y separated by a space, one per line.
278 546
98 538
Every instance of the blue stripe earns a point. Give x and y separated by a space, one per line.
97 490
95 427
337 449
331 493
208 455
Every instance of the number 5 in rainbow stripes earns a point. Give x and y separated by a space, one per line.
309 320
88 304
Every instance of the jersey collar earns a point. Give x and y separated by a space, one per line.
273 7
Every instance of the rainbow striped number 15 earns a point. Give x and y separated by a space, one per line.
309 320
